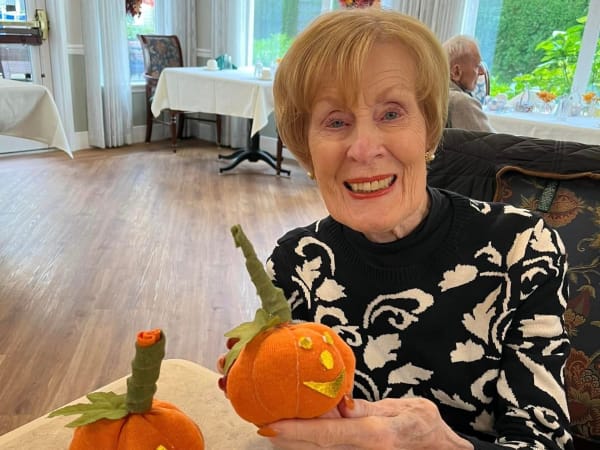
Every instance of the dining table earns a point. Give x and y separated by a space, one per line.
186 384
229 92
28 110
584 129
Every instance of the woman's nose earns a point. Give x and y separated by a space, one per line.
366 142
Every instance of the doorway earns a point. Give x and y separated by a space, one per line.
24 62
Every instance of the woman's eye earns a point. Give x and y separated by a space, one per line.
391 115
335 123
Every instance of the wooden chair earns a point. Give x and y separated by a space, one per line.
279 154
160 52
482 89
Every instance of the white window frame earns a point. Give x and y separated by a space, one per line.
589 43
589 40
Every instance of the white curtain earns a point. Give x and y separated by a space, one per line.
59 60
109 104
231 20
444 17
179 17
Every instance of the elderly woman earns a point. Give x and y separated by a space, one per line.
453 306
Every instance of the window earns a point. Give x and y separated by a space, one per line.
15 59
276 22
540 44
537 44
142 24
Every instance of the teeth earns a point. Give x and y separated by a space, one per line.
371 186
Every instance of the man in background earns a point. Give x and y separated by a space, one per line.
464 111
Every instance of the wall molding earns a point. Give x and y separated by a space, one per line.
204 53
75 49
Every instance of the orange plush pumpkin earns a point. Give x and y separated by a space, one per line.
278 369
134 421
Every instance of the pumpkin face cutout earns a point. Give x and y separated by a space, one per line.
291 371
278 369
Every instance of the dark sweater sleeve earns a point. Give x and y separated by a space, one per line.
532 405
478 444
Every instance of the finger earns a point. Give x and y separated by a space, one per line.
331 433
222 383
299 445
302 445
333 413
231 342
361 408
221 364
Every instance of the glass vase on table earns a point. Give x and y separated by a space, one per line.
525 103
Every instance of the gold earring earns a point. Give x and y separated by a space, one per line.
429 156
310 175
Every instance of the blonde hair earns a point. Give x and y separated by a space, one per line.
333 49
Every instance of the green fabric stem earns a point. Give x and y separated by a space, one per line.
272 298
145 369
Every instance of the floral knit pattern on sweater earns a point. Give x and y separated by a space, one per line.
467 313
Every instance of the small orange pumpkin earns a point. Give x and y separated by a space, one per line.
134 421
282 370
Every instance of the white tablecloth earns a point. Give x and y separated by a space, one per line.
190 387
227 92
28 111
545 126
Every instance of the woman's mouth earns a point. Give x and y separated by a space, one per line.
370 186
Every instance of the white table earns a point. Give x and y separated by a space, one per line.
235 93
28 111
190 387
546 126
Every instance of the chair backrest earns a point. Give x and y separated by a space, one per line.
160 51
482 89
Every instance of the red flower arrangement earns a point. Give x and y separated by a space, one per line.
133 7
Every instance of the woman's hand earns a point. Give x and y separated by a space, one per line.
222 382
413 423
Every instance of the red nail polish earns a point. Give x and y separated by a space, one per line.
267 432
223 384
231 342
349 401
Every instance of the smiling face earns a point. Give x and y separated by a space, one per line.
368 158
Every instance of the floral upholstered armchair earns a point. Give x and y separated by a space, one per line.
571 205
561 182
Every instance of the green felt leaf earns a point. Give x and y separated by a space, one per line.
104 405
247 331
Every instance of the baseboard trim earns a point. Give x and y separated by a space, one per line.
159 131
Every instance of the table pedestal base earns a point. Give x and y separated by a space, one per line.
253 154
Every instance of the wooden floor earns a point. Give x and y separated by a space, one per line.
114 241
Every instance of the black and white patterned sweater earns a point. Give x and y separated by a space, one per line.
465 311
